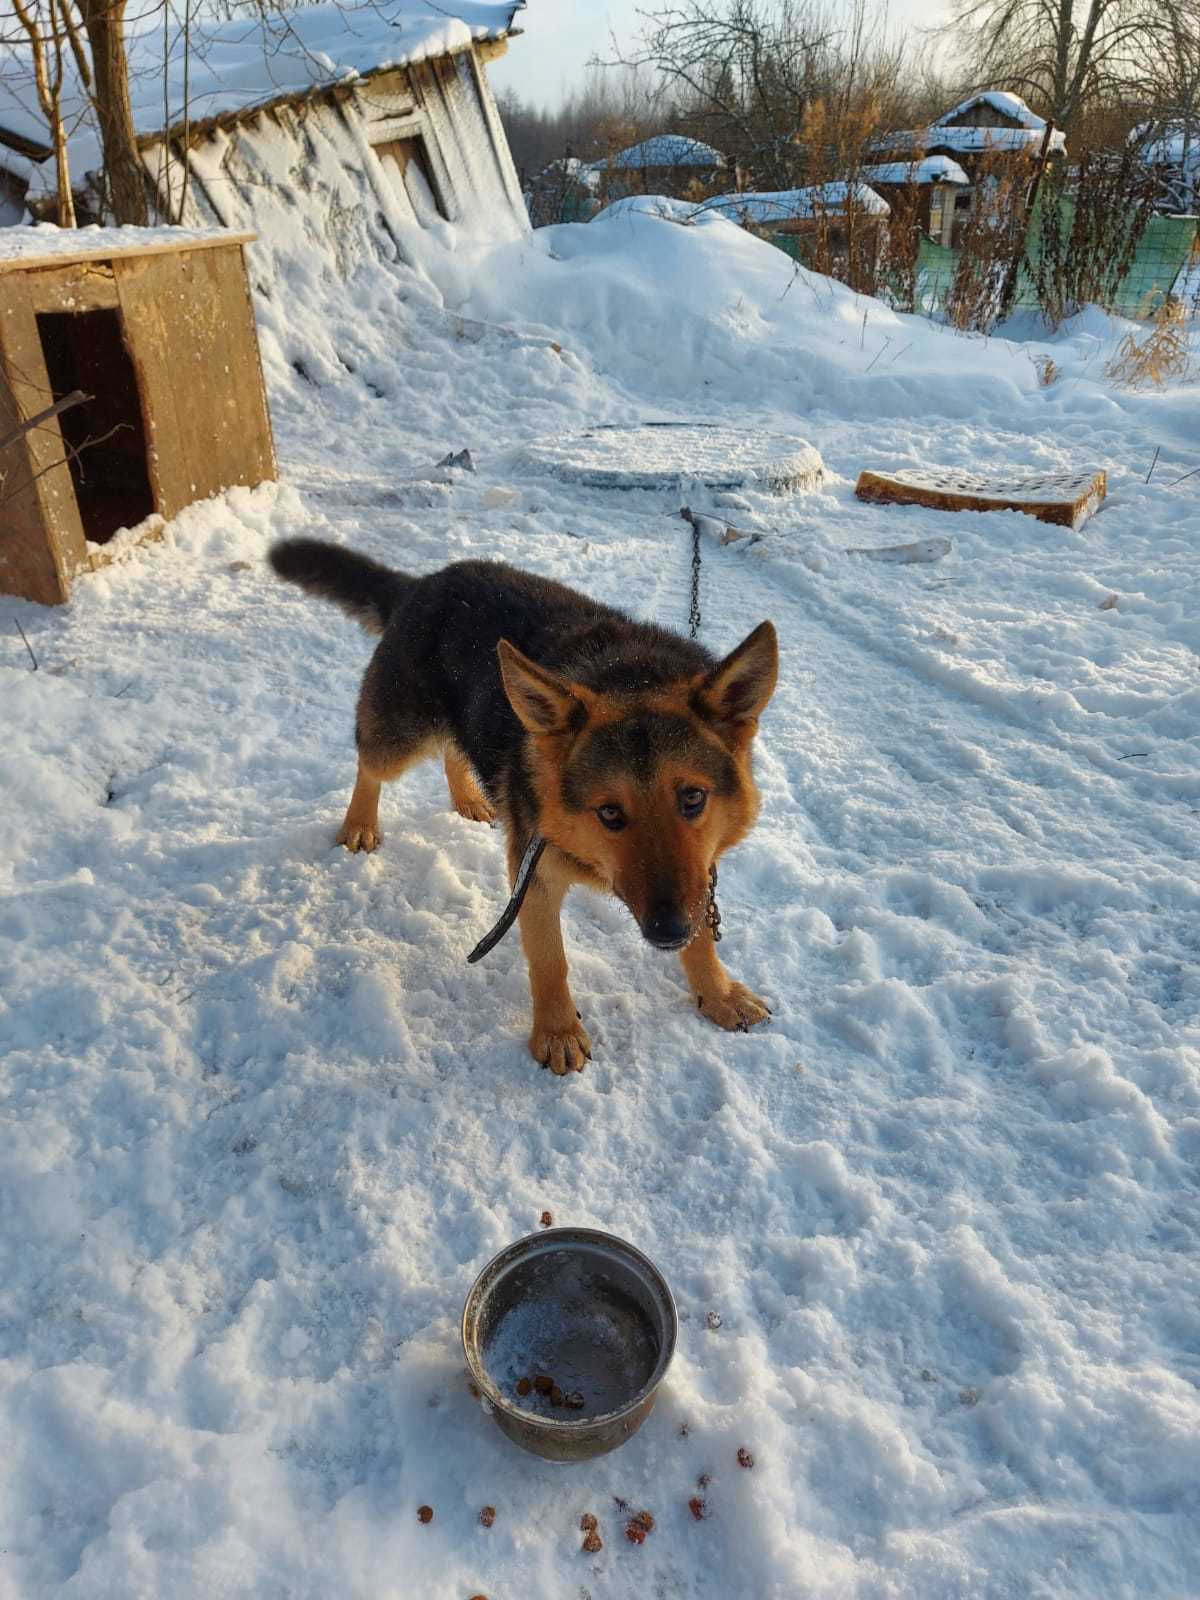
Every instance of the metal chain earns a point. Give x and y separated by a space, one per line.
694 614
712 915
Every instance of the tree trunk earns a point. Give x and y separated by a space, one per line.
104 21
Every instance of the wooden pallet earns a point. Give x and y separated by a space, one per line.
1067 499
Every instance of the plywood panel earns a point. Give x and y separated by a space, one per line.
41 538
190 328
84 286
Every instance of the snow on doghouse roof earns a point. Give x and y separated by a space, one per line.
1009 105
43 243
933 169
783 205
251 61
664 150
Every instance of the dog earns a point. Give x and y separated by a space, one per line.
625 746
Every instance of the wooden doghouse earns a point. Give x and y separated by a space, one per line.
157 329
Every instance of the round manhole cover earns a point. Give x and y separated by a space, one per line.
663 455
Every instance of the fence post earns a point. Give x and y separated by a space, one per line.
1009 290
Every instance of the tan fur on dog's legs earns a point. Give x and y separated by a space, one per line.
558 1039
360 830
730 1005
467 798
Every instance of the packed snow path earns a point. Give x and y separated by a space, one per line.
933 1233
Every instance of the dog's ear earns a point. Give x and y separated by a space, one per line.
543 702
738 688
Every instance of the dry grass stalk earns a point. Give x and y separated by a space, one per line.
1162 356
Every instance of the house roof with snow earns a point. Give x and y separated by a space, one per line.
1009 106
1167 144
763 207
663 150
236 66
933 169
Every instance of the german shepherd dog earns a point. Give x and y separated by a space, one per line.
626 746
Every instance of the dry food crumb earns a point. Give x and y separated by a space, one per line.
698 1508
573 1401
703 1481
969 1397
592 1542
713 1319
543 1384
487 1516
745 1459
424 1513
588 1523
547 1219
635 1534
523 1386
645 1521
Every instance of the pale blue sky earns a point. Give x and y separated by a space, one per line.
562 35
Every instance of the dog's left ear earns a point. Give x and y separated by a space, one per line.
543 702
738 688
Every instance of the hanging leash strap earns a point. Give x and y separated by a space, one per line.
712 915
529 861
533 850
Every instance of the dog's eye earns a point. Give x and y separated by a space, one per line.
612 817
692 802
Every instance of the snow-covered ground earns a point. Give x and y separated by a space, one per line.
262 1126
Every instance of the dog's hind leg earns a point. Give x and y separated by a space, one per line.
388 744
467 798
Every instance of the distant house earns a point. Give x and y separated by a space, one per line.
1172 151
668 163
991 125
564 191
838 225
357 126
924 192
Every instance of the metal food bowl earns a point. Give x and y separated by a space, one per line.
585 1324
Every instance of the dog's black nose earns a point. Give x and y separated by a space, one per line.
666 927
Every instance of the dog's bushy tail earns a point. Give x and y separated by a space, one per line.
362 588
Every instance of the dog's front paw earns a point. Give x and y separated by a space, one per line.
738 1009
360 836
563 1050
476 808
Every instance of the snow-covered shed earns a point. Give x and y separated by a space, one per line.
347 125
667 163
922 192
133 352
792 210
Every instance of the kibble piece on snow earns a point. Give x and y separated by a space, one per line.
713 1319
703 1481
424 1513
644 1520
635 1533
592 1542
487 1516
588 1523
698 1508
745 1459
547 1219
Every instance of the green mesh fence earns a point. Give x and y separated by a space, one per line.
1160 266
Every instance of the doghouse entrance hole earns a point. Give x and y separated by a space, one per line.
104 439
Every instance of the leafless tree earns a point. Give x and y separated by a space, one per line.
45 25
1055 52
